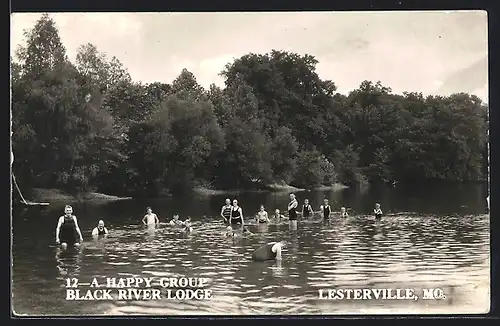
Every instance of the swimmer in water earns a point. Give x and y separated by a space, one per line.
150 218
307 210
225 211
236 217
175 221
187 225
262 216
292 210
269 251
343 212
377 211
99 229
278 216
67 229
325 210
231 234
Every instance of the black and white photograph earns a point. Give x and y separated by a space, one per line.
249 163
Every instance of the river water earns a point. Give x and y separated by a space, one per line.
434 237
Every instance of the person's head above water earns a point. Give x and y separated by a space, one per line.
68 210
325 201
292 196
149 210
176 216
377 205
306 201
235 202
100 225
277 211
228 201
262 208
342 209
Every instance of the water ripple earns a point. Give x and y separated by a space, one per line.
405 249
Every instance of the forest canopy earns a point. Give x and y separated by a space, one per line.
86 125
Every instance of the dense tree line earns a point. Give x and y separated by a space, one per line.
87 125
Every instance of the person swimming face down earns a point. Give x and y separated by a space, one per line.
269 251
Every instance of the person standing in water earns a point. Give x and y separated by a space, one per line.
307 210
377 211
150 219
262 216
278 216
225 212
236 217
292 210
343 212
67 229
187 226
325 210
269 251
175 221
99 229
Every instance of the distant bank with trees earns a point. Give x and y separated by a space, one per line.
87 126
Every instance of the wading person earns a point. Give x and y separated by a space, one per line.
99 229
67 230
377 211
277 217
325 209
175 221
307 210
187 226
269 251
343 212
236 217
262 216
150 219
292 210
225 212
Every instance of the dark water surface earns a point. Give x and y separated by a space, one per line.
431 237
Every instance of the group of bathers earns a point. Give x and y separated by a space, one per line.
233 214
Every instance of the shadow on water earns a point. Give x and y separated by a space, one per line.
422 242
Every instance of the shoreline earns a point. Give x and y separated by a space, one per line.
57 195
269 188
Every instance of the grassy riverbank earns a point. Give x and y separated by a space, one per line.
56 195
276 187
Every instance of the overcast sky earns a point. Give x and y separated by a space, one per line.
429 52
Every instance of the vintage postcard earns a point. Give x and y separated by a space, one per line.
292 163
